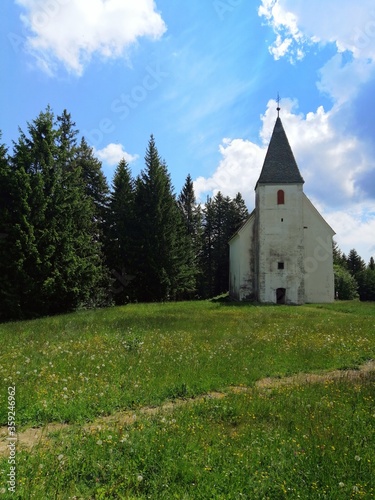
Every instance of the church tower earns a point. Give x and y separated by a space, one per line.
279 252
282 254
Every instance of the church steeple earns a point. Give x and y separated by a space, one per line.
279 166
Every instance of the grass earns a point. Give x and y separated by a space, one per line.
306 441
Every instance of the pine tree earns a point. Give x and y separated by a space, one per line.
338 257
371 264
120 234
68 266
206 261
157 220
94 181
221 218
191 233
354 263
16 239
366 284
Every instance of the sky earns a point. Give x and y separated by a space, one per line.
203 77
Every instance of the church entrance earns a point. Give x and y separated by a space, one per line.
280 295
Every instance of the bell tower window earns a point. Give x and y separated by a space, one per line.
280 197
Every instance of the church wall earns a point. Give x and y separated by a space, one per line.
280 241
318 260
241 283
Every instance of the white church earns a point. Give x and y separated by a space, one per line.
282 254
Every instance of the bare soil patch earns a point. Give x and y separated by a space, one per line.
33 436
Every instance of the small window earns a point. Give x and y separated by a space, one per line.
280 265
280 197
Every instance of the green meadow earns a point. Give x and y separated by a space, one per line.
310 440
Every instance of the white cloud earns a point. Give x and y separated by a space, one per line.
338 21
72 31
299 24
237 171
355 228
331 162
113 154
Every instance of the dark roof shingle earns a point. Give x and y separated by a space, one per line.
279 166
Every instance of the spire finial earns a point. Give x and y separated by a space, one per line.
278 105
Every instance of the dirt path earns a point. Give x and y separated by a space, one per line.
35 435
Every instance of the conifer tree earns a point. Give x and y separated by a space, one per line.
94 181
67 266
120 233
222 217
355 263
192 231
17 249
206 278
159 269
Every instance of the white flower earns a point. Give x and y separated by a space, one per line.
99 442
357 457
60 457
139 478
341 485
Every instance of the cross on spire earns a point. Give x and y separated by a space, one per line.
278 104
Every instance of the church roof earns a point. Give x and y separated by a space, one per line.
279 166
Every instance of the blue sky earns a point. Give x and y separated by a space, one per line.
203 76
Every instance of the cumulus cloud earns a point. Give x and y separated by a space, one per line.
72 31
238 170
297 23
331 162
355 228
113 154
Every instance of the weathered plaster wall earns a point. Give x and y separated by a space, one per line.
241 276
281 240
318 260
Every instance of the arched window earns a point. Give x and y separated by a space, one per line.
280 197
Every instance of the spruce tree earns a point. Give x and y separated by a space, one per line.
192 231
355 263
221 218
120 246
68 266
94 181
17 248
206 278
157 222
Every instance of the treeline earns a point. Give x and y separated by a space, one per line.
68 240
353 278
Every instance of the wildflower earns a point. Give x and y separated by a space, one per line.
60 457
99 442
139 478
357 458
341 484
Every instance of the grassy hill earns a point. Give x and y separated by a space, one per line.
309 439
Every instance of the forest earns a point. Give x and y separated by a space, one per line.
68 240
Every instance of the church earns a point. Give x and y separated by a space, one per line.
282 254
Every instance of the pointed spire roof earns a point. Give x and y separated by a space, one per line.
279 166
